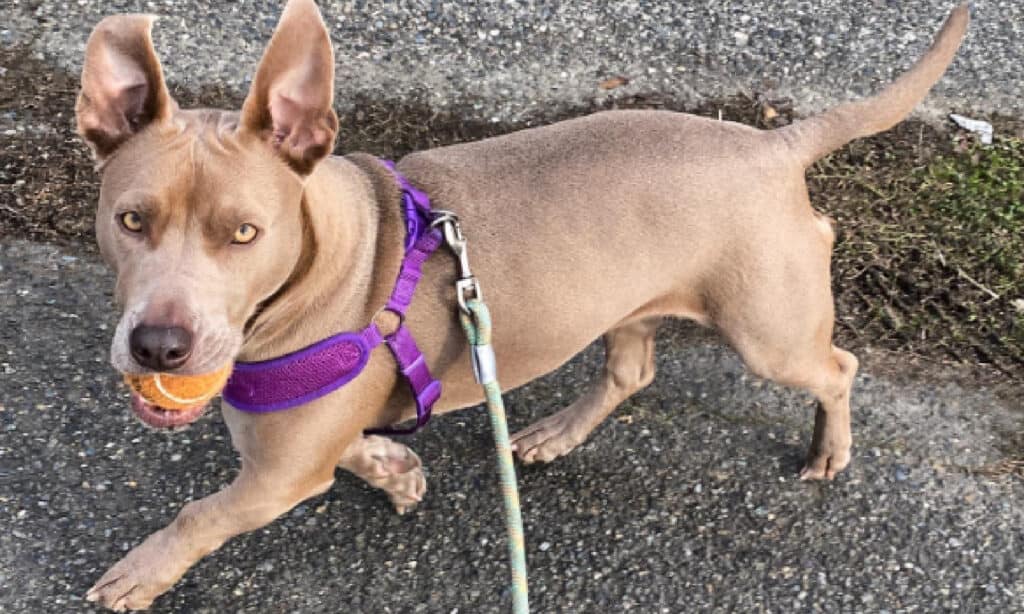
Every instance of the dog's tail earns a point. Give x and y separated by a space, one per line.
816 136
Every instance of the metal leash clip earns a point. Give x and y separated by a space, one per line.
466 286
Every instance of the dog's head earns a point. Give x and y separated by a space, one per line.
200 211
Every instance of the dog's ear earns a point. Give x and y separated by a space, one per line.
123 88
290 102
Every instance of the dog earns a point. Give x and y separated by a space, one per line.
235 236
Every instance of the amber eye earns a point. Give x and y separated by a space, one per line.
245 234
132 221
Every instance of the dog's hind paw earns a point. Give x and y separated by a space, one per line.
825 466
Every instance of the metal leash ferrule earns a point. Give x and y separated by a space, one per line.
466 286
485 367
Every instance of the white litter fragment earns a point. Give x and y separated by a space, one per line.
1018 304
981 128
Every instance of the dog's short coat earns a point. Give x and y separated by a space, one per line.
601 225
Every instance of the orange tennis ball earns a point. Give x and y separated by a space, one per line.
178 392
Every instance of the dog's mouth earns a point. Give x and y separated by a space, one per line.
157 417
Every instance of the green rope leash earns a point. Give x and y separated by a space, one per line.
476 321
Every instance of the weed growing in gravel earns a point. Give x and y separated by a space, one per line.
931 255
973 205
974 202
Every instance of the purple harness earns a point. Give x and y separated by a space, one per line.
314 371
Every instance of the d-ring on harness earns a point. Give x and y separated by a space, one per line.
317 370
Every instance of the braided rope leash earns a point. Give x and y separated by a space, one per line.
477 324
476 321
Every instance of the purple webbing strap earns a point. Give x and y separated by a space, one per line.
299 377
411 271
421 241
314 371
413 366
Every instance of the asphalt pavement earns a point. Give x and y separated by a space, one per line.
514 59
686 501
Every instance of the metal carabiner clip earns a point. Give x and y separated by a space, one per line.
466 286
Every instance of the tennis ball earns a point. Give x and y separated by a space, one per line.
178 392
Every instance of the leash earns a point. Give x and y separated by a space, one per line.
476 321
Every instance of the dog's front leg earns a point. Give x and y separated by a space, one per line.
254 499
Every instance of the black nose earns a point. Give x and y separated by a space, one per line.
160 348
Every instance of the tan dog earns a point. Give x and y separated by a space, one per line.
235 235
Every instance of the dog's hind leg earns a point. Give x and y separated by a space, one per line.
389 466
829 376
830 445
629 367
781 323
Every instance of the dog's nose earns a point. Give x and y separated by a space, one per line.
160 348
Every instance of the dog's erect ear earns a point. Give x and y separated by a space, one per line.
123 88
290 102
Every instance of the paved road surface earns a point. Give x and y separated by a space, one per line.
515 58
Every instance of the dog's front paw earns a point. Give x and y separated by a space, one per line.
389 466
405 482
140 577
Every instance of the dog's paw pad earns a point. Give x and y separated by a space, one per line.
403 480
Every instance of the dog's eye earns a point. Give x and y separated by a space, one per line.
245 234
131 220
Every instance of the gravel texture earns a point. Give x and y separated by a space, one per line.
687 501
512 59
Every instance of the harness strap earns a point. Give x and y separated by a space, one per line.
421 241
413 366
411 271
312 372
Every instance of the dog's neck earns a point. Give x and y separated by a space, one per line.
352 243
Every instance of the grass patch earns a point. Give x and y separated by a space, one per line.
931 259
974 202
